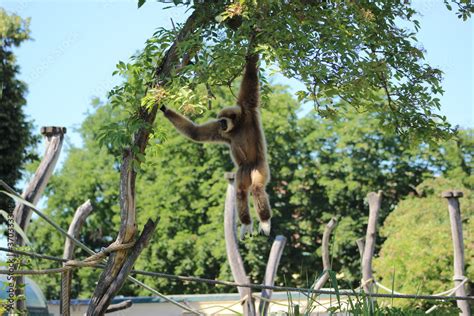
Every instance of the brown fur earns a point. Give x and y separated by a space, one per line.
245 139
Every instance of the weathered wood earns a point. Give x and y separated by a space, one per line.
99 307
74 228
54 137
232 248
108 280
458 247
326 258
270 272
375 202
119 306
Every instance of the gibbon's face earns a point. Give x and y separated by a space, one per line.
228 118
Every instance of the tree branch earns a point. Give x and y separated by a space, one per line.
74 228
120 262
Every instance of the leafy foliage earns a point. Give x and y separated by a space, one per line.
16 140
340 50
418 253
318 171
354 60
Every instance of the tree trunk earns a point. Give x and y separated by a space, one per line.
112 278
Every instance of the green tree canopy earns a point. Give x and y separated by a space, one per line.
318 171
340 50
417 255
16 140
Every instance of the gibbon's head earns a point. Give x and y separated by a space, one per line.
229 118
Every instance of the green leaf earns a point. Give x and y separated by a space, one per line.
16 227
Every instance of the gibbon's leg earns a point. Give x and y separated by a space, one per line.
259 177
243 182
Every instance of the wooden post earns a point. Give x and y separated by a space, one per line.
270 272
232 248
458 246
326 258
375 202
74 228
54 137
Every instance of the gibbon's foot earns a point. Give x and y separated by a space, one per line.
246 229
163 108
265 227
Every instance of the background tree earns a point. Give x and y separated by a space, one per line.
417 255
347 51
17 139
343 50
319 170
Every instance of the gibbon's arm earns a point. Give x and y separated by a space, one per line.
207 132
249 89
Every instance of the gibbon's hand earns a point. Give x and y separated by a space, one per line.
163 108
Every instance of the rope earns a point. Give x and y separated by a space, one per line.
258 297
91 261
447 293
81 245
65 293
364 283
243 299
234 284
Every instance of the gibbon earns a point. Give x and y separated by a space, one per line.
241 129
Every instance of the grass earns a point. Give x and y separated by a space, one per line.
361 305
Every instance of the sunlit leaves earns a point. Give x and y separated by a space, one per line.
417 255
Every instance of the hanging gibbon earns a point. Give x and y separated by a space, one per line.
241 129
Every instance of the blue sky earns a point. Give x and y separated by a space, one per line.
78 43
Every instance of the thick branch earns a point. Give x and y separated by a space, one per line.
270 273
458 247
375 202
98 306
326 259
54 137
34 190
119 306
110 281
74 228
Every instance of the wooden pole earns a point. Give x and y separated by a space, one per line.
375 202
326 258
233 256
270 272
54 137
74 228
458 247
